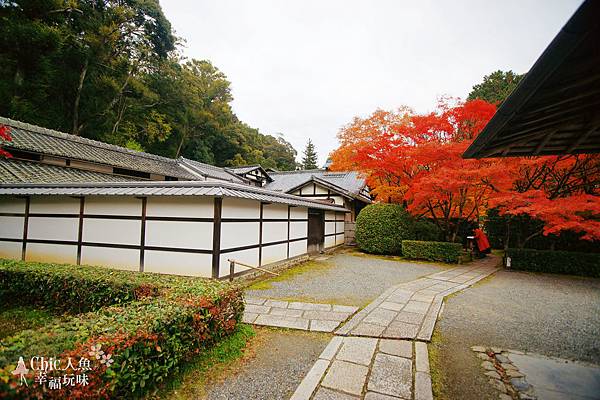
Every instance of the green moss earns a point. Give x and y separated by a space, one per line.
191 381
435 366
288 274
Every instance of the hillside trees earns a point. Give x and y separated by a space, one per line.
496 87
110 70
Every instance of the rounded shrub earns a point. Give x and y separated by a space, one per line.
381 228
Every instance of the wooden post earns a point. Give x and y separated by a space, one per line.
216 250
231 270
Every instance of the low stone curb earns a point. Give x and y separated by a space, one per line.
503 375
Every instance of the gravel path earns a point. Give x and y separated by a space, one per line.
346 279
551 315
282 359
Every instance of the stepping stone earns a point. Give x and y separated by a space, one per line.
364 329
388 305
423 389
318 325
401 330
400 348
345 376
391 375
249 318
282 322
411 318
328 394
325 315
379 316
357 350
418 307
252 308
286 312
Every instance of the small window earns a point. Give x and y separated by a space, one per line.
130 172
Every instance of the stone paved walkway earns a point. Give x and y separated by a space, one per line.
296 315
410 310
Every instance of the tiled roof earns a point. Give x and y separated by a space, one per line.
18 171
350 182
46 141
164 188
210 170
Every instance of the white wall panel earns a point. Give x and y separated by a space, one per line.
273 211
170 262
53 228
240 208
339 216
10 250
330 215
12 205
339 239
53 253
329 241
54 205
249 257
113 206
299 213
298 229
274 231
236 234
125 259
329 227
196 207
119 231
11 227
298 248
339 227
271 254
188 235
321 190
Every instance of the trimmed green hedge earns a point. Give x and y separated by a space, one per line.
169 319
84 288
432 251
557 262
381 228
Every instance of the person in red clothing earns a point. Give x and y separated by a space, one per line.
482 242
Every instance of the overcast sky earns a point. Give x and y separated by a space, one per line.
307 67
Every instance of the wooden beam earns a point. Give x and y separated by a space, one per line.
25 227
216 253
143 234
581 139
543 143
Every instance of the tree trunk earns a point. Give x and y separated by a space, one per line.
76 126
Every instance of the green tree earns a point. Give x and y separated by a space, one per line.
309 159
496 87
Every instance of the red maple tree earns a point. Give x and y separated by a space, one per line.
416 159
4 136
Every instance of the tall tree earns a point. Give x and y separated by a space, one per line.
309 158
496 87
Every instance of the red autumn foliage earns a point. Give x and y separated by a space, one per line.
4 136
416 159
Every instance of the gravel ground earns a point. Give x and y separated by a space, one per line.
552 315
346 278
282 359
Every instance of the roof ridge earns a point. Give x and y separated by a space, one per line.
73 138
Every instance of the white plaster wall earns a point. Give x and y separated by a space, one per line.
10 250
274 231
197 207
178 263
339 227
125 259
321 190
329 227
329 241
113 206
299 213
271 254
240 208
12 205
56 253
237 234
339 239
275 211
249 257
189 235
54 205
52 228
298 248
298 229
118 231
11 227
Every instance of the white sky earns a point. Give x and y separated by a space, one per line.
307 67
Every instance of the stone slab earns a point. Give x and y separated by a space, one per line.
357 350
249 318
423 389
310 381
391 375
286 312
400 348
318 325
328 394
295 305
326 315
344 309
364 329
388 305
401 330
379 316
346 377
276 303
282 322
421 357
331 348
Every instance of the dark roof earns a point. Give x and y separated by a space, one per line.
164 188
249 168
18 171
348 183
210 171
555 108
46 141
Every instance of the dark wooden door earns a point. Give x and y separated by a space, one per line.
316 231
